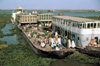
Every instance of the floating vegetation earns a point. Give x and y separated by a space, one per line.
9 56
84 58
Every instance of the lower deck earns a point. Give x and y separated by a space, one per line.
47 50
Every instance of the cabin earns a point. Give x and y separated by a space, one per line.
45 19
26 18
82 30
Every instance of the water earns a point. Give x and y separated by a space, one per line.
7 28
67 13
5 11
9 39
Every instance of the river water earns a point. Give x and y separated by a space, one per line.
60 62
67 13
9 39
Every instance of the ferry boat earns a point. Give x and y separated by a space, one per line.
82 30
38 20
85 32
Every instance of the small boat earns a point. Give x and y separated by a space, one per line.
90 50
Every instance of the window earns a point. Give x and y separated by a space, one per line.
94 25
88 25
80 25
78 38
65 21
91 25
73 24
69 24
84 25
76 25
98 25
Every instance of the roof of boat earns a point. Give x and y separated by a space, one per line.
79 19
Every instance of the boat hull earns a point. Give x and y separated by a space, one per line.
92 51
52 54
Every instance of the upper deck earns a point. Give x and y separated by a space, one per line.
78 19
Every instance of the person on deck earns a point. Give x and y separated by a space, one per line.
59 43
29 35
69 43
73 44
56 33
65 42
49 41
42 42
39 41
34 36
56 40
53 45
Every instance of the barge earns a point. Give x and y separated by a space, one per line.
47 51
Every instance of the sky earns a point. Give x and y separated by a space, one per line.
50 4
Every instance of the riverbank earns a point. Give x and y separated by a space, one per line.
93 17
4 19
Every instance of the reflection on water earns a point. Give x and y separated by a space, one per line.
7 28
10 39
70 63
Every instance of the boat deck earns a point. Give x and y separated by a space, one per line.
47 48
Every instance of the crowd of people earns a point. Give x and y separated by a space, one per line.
56 42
